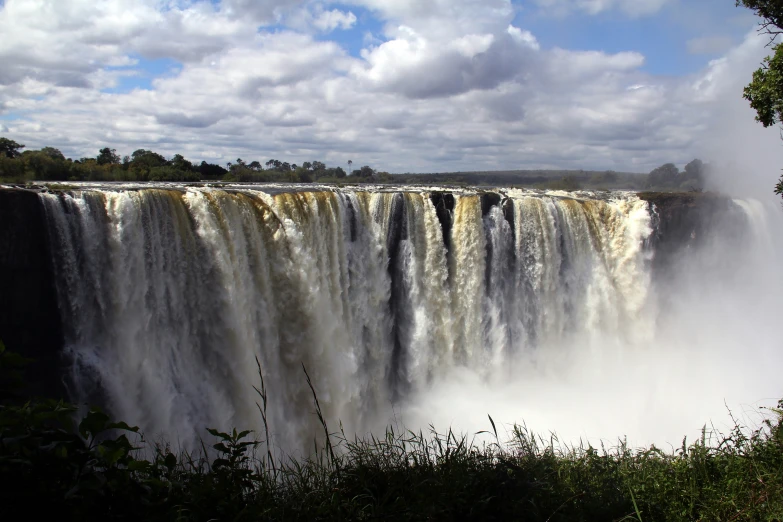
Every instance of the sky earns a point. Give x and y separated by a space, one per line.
400 85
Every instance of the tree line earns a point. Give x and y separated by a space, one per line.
50 164
669 177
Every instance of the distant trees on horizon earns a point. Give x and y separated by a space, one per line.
50 164
668 176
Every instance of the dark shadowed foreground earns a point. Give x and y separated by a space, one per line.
92 471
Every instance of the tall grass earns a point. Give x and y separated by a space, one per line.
91 471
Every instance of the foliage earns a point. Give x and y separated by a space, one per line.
765 91
663 175
771 12
365 172
9 148
668 177
107 156
11 169
49 164
96 469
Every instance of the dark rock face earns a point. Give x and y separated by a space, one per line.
682 221
29 316
489 200
444 206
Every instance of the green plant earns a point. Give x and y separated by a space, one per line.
94 469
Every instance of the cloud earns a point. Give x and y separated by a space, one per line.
523 37
63 42
180 119
260 11
446 85
441 19
328 21
418 67
710 44
630 7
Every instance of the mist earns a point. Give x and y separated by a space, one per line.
746 158
712 349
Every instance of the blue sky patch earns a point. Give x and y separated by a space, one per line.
661 37
143 73
353 40
10 116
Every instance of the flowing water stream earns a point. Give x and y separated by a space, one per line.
401 305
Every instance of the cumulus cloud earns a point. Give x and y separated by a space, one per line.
442 19
63 42
710 44
446 85
418 67
328 21
260 11
630 7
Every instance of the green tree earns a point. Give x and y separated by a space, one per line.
107 156
45 167
211 171
143 161
303 175
765 91
178 162
317 166
11 169
53 153
385 177
147 158
664 176
10 148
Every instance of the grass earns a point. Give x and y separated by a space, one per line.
91 471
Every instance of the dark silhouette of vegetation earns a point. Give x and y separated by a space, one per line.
49 164
669 177
9 148
765 91
90 468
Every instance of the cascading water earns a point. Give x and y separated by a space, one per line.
168 296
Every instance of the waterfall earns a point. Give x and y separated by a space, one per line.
169 296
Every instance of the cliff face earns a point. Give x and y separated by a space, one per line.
682 221
29 317
30 322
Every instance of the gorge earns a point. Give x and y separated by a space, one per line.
578 312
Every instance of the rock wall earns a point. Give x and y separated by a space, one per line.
29 317
682 220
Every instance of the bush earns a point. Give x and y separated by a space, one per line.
91 470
